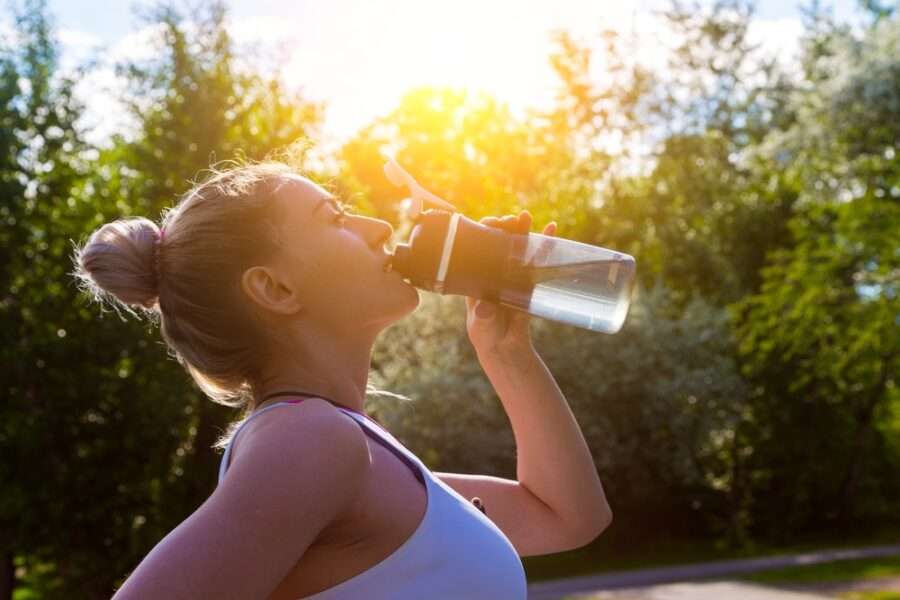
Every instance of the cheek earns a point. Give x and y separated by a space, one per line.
341 279
343 273
331 279
325 260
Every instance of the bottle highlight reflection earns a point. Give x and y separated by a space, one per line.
548 277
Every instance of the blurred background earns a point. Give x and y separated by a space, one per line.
745 155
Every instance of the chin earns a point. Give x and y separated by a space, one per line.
409 304
405 304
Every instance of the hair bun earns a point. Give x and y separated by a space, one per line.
119 259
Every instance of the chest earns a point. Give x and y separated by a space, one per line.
388 512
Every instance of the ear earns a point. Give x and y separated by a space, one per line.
264 287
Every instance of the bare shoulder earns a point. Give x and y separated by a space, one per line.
295 425
296 472
306 464
286 445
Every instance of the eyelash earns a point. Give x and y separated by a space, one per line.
341 217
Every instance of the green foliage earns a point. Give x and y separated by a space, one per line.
196 106
752 392
54 437
845 570
683 193
872 595
659 404
103 438
453 420
470 150
821 337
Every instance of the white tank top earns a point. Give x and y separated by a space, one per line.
456 552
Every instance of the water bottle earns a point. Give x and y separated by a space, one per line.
548 277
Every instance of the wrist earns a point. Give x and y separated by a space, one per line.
506 354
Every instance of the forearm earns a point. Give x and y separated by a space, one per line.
553 459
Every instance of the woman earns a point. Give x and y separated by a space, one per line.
272 296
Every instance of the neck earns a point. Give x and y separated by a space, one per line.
335 367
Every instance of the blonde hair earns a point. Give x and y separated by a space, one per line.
188 278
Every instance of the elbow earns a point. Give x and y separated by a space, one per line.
606 519
603 519
591 529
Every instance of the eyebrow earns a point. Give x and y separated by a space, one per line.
333 201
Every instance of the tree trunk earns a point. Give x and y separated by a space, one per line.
864 428
848 487
201 468
7 576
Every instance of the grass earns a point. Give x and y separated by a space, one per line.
845 570
838 571
607 554
866 595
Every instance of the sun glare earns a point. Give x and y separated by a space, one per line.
378 51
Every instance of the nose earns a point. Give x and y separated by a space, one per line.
377 232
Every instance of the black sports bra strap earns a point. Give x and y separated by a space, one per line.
307 394
279 394
406 460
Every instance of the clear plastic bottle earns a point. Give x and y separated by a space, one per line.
548 277
570 282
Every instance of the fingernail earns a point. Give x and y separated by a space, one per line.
479 504
484 310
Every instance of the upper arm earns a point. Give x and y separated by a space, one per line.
291 479
530 524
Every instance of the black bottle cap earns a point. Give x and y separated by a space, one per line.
401 258
418 259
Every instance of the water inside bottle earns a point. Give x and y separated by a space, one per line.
592 294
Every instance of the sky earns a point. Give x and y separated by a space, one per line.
360 56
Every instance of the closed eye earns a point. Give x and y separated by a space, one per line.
340 217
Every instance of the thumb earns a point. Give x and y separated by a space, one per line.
485 309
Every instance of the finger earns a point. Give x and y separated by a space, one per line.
510 223
550 228
525 220
492 221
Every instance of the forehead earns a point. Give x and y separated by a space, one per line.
300 195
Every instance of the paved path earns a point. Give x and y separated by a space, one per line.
642 578
833 589
714 590
739 590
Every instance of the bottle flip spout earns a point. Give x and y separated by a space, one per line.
418 195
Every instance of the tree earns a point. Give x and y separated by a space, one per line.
194 105
51 409
99 439
660 403
820 338
470 149
684 193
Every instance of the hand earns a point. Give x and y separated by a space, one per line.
491 326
